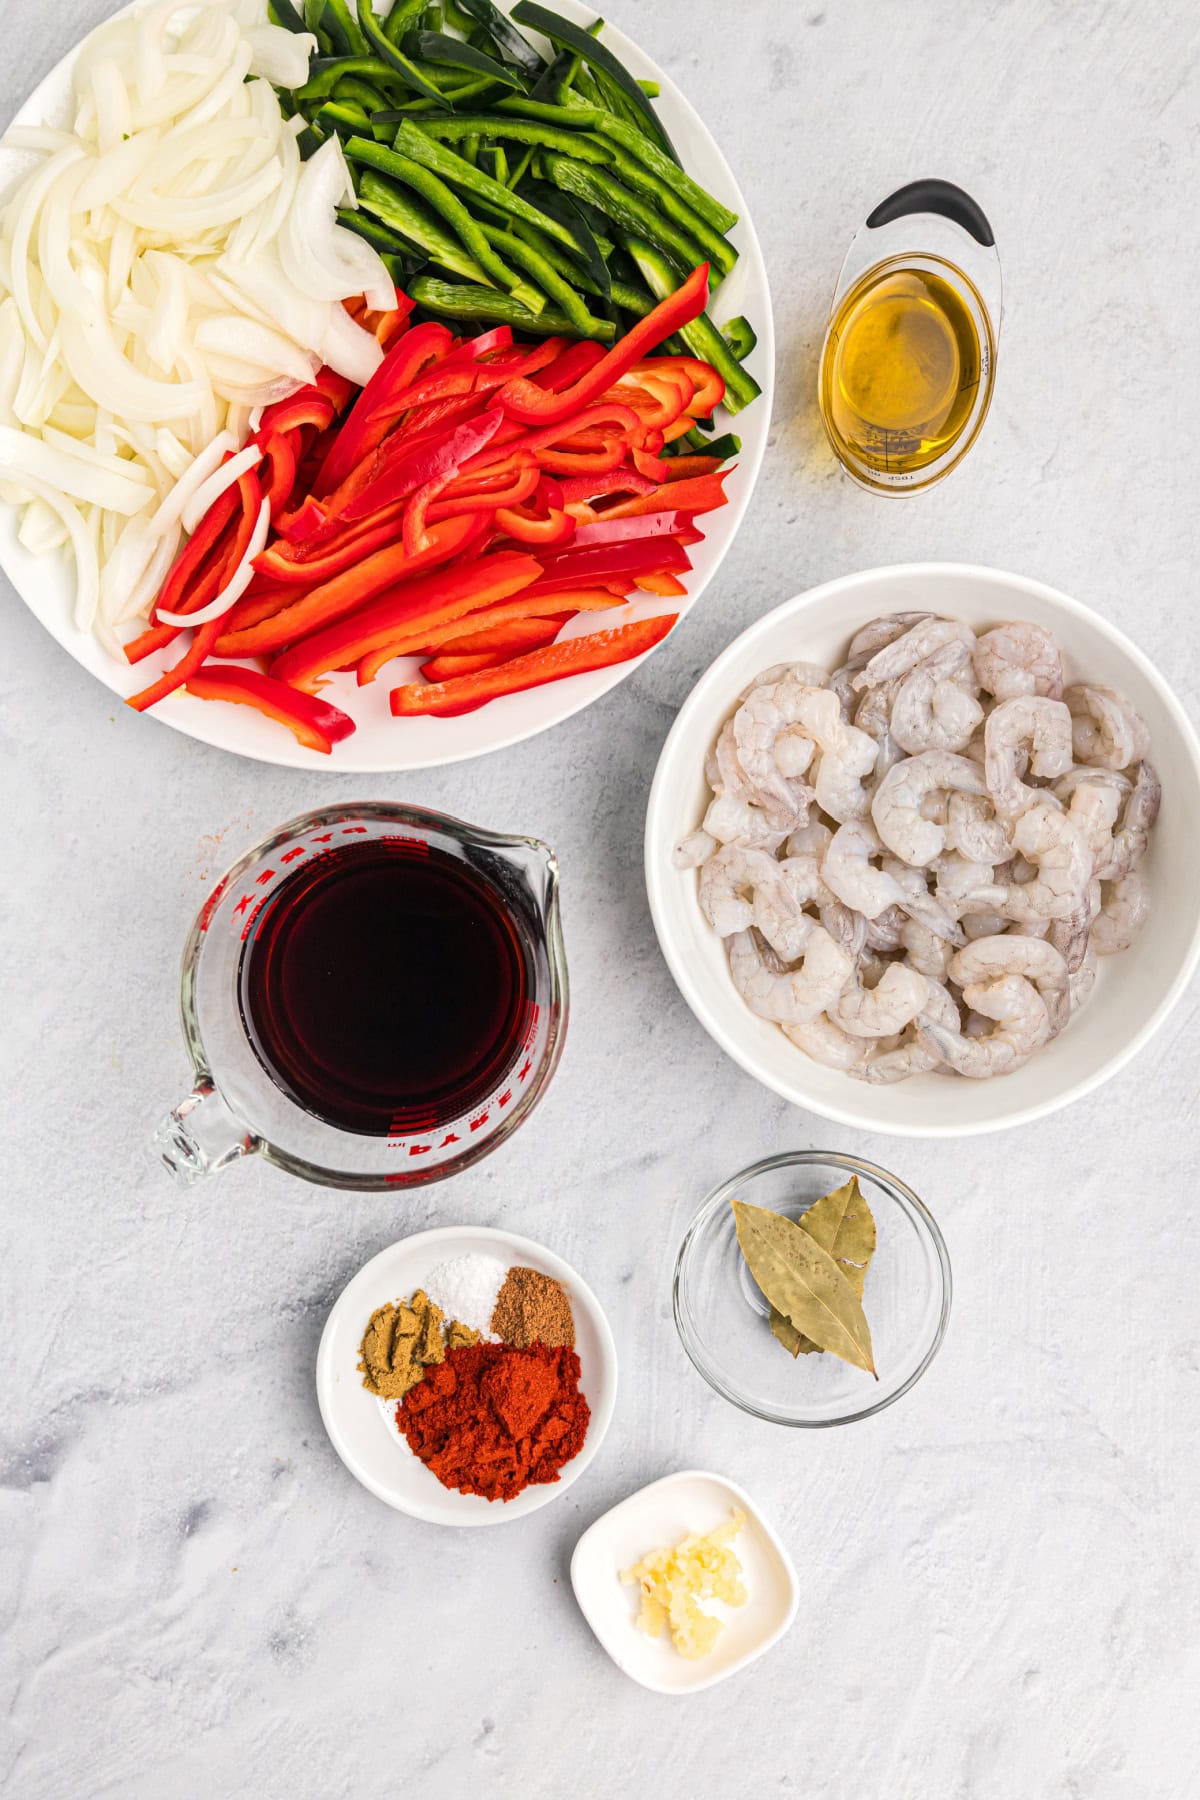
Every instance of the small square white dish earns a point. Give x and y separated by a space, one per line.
659 1514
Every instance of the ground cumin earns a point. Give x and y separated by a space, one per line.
532 1309
402 1340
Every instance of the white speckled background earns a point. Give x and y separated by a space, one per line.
999 1574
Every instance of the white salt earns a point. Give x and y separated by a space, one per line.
467 1288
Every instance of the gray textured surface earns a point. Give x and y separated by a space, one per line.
999 1574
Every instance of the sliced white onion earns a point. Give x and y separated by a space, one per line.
238 582
320 256
349 349
281 56
41 529
22 456
169 511
210 491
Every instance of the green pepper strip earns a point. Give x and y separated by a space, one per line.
282 12
324 74
450 207
576 114
447 52
519 131
483 305
414 223
413 143
337 21
624 208
583 323
342 118
699 334
566 36
395 59
402 15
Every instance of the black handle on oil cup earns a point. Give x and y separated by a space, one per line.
933 196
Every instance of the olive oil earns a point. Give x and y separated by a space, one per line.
901 372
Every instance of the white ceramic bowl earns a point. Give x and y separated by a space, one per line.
382 743
661 1514
363 1428
1134 992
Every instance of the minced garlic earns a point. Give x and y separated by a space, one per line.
673 1582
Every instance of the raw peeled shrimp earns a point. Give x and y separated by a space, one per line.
916 900
733 821
1019 658
932 708
964 886
809 840
1083 981
725 887
885 630
827 1043
781 893
873 714
905 652
982 924
1095 807
896 807
924 951
1021 1026
882 934
1125 907
847 869
1107 731
803 671
1059 851
897 999
845 926
794 751
1070 936
750 738
990 959
1027 724
973 829
910 1056
791 996
1132 836
846 755
694 849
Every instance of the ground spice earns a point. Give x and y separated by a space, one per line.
402 1340
492 1420
532 1309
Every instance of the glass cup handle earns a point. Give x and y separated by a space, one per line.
200 1137
933 196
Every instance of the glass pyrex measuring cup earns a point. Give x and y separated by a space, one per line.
909 358
238 1107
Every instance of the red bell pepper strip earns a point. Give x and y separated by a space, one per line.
193 578
613 481
422 638
485 344
533 629
608 530
598 650
521 399
524 482
434 463
348 590
702 493
313 722
313 562
587 568
202 642
310 406
571 365
339 389
415 607
279 466
258 603
446 381
517 522
442 668
668 586
399 368
682 468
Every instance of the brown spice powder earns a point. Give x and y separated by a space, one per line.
533 1309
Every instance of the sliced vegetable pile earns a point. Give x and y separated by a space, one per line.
470 506
508 184
168 265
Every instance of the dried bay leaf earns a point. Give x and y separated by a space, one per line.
843 1224
792 1340
804 1283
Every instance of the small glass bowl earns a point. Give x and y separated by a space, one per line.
723 1318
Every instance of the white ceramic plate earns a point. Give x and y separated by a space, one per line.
363 1427
1134 992
382 743
661 1514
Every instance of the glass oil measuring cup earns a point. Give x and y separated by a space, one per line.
909 358
237 1107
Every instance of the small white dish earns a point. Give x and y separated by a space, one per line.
362 1428
1135 991
662 1513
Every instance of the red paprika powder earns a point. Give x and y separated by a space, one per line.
492 1420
